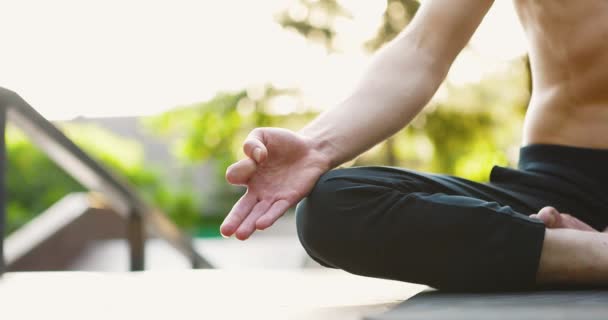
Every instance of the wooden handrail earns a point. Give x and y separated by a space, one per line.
93 175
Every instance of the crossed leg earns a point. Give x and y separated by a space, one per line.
445 232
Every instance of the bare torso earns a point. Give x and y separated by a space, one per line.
568 45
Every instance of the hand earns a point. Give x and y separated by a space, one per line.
281 168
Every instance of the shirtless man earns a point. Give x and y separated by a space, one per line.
444 231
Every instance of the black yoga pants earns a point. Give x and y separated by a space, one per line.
447 232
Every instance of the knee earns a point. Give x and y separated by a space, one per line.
317 215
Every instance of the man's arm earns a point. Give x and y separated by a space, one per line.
282 167
400 81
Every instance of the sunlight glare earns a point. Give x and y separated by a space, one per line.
153 56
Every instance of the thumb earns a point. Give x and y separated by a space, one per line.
254 145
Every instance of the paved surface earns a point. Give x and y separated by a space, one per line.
275 248
198 294
268 252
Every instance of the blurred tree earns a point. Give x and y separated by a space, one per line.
397 15
316 20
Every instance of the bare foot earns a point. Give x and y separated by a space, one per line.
553 219
573 252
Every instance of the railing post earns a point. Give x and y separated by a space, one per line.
3 197
136 236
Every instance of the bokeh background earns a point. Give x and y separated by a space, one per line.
164 92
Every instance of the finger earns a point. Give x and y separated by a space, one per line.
274 213
254 145
248 226
239 173
239 211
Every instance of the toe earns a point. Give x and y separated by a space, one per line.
550 216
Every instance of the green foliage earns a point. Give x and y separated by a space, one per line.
463 143
35 182
209 128
213 130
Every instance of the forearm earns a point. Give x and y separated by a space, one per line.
398 83
401 80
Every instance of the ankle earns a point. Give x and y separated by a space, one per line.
573 257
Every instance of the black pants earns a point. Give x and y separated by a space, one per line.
448 232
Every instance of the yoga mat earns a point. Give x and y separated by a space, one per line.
577 305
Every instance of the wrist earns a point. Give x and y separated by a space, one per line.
324 151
